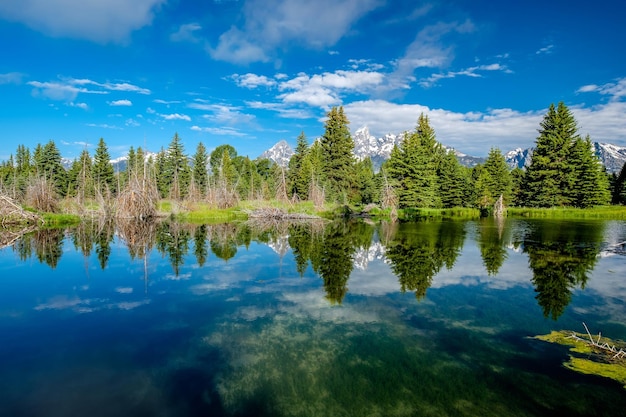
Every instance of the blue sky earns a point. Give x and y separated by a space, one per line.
252 72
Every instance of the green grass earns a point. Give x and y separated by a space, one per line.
601 212
429 213
57 220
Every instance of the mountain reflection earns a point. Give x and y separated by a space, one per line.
561 255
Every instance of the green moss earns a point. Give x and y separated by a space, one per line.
596 361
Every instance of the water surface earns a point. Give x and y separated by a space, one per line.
343 319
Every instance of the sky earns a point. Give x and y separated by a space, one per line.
250 73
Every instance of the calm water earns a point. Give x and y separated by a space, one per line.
342 319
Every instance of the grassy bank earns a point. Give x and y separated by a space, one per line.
603 212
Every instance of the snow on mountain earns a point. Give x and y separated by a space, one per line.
280 153
363 257
613 157
518 158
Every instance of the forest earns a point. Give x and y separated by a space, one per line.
420 173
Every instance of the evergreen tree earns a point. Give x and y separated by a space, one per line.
162 181
80 177
49 165
452 181
200 169
550 177
297 178
365 184
338 163
498 178
413 167
103 173
177 172
619 189
590 185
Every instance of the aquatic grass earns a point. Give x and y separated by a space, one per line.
416 214
601 212
55 220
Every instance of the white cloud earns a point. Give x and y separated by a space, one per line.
175 116
324 90
474 72
186 33
472 133
67 89
427 51
11 78
59 90
222 131
475 133
83 106
615 90
252 81
121 103
545 50
103 126
269 24
96 20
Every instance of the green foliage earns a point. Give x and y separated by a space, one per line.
338 163
200 169
102 170
177 174
413 166
48 164
564 171
299 170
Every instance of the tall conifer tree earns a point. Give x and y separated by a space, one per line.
338 162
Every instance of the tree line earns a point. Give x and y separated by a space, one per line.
420 172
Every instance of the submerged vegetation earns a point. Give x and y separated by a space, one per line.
592 356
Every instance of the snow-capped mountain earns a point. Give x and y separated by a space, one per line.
379 150
279 153
519 158
613 157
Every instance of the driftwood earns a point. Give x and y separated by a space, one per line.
605 347
11 213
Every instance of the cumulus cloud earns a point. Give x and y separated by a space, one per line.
269 24
324 90
95 20
121 103
473 133
253 81
176 116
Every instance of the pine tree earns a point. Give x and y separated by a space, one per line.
619 187
298 183
550 178
49 165
338 163
413 167
103 173
499 182
452 182
177 172
590 182
200 169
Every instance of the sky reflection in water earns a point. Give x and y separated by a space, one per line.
345 319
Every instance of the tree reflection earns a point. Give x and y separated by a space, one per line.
200 247
48 245
418 251
561 257
173 240
493 236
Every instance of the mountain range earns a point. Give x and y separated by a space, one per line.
379 150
